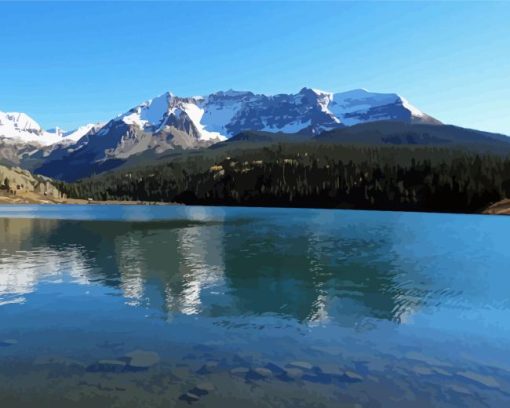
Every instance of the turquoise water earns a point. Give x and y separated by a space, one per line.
384 308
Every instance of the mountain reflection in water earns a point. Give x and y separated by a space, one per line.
182 267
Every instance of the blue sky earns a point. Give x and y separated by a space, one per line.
72 63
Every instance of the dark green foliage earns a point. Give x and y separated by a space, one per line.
6 185
314 175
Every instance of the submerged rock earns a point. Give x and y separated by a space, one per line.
459 389
431 361
332 350
318 378
189 397
259 373
8 342
181 372
441 372
331 370
293 373
352 376
203 388
263 372
423 370
275 368
303 365
485 380
241 371
142 360
323 375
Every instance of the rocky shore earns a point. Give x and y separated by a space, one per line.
500 208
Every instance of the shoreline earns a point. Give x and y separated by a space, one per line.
499 208
34 198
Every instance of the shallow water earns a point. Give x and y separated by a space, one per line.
367 308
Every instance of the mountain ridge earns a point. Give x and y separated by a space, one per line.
171 123
223 114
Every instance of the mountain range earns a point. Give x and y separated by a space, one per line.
169 123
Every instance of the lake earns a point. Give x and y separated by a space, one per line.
158 306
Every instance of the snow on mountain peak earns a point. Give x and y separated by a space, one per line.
360 106
317 92
414 111
20 126
223 114
18 122
150 113
153 115
77 134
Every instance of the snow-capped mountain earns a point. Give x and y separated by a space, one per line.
223 114
75 134
22 128
172 122
360 106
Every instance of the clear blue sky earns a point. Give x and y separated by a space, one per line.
71 63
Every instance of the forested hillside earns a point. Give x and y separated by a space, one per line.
314 175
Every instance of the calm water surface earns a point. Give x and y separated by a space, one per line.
367 309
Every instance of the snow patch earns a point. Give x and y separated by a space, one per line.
414 111
217 115
195 113
77 134
360 106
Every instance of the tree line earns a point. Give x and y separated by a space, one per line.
313 175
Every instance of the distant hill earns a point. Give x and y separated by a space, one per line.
16 183
398 133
